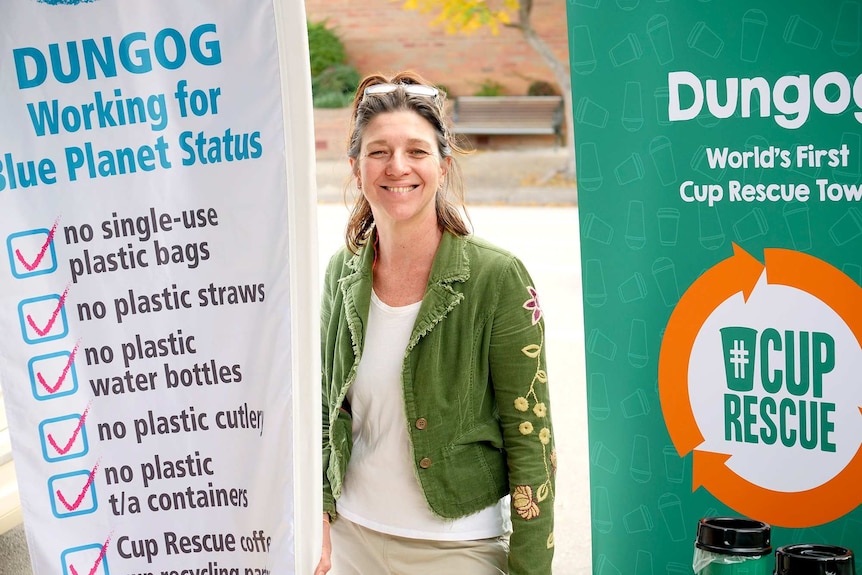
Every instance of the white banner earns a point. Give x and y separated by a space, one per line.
147 275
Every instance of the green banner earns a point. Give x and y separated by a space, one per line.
719 152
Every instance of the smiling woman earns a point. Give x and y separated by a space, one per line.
423 321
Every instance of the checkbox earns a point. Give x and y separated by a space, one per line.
43 318
64 437
53 375
73 493
85 560
31 253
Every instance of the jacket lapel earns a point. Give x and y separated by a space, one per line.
451 266
356 290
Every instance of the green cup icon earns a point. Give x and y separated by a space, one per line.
626 50
630 170
848 227
602 516
751 225
800 32
661 152
660 37
633 113
583 58
739 344
595 293
640 468
589 168
703 39
662 99
845 41
604 458
754 23
668 226
799 224
590 113
638 520
601 345
643 564
633 289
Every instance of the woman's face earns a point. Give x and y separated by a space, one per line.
400 169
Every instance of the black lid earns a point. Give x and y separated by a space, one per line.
814 560
734 536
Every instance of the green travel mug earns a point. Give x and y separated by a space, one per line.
806 559
732 546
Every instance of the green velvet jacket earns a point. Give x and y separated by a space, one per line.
475 389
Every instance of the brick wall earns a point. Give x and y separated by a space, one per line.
380 36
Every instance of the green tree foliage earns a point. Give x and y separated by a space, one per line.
324 47
333 80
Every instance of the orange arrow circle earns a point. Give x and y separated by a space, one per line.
740 273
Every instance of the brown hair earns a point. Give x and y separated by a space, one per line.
449 200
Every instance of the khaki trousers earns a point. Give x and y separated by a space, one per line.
357 550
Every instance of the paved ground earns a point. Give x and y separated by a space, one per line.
540 224
14 559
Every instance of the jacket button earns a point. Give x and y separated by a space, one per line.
425 463
421 423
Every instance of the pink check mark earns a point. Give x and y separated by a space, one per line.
42 332
39 256
98 562
77 503
62 378
65 449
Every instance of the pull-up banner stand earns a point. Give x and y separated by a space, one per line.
156 281
719 148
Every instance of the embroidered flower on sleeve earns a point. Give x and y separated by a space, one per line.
524 503
528 500
540 410
532 304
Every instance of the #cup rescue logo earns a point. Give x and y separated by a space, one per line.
758 376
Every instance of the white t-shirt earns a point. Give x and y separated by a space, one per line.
381 490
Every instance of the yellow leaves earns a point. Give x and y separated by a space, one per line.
465 16
542 492
542 376
532 350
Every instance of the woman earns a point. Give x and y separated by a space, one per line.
437 448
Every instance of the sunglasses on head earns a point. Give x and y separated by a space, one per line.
410 89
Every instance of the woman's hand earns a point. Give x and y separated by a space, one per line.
325 563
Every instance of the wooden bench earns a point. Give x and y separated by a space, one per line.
509 115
